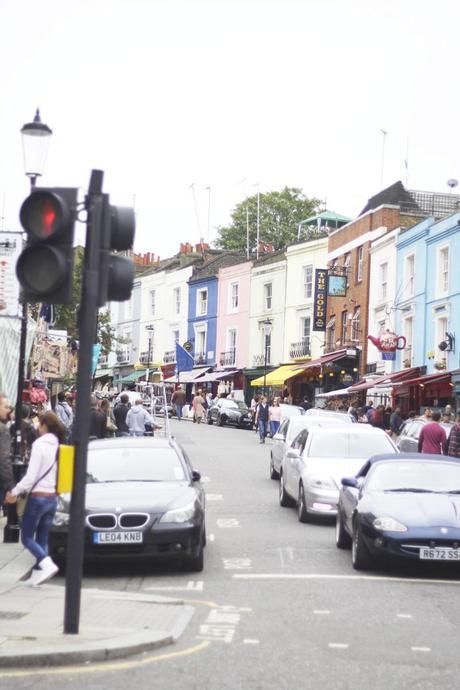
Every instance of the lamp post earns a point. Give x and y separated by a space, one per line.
149 330
35 141
266 329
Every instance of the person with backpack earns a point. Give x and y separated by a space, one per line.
39 484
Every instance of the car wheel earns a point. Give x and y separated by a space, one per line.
273 473
196 563
360 557
209 419
302 513
284 499
342 538
221 420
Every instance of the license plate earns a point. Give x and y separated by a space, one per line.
440 554
117 537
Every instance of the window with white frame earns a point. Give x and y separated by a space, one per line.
177 295
202 302
307 282
267 342
356 324
234 295
347 261
200 343
175 337
383 280
343 333
330 334
441 330
359 264
381 326
443 270
231 346
409 275
153 302
268 296
305 331
408 325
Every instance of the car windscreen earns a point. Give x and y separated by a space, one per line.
242 406
348 445
134 464
290 411
229 404
432 475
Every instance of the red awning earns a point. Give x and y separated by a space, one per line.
390 378
427 379
325 359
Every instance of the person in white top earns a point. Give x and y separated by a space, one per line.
39 483
274 415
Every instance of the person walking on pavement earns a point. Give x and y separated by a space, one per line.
178 399
64 413
198 407
98 421
453 445
262 415
396 423
137 418
120 412
39 483
6 468
274 414
432 437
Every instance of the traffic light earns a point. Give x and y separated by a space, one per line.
45 266
116 272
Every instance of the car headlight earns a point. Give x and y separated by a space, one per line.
321 483
389 524
180 514
61 516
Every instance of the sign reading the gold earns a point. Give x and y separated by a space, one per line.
320 306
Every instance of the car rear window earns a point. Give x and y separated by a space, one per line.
134 464
348 445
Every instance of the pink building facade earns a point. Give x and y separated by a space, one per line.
233 315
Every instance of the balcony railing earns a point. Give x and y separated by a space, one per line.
258 360
123 356
227 359
201 358
102 362
169 357
300 349
145 358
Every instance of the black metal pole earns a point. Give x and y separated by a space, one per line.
265 367
87 329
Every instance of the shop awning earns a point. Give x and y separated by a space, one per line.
103 372
426 380
134 376
389 379
189 376
278 376
332 394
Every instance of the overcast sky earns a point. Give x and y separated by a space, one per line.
229 94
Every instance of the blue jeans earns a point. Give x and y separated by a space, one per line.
136 433
262 429
36 524
179 412
274 426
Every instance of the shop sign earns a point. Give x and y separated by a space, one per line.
320 304
387 343
10 247
337 286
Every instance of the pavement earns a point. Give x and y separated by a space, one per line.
112 624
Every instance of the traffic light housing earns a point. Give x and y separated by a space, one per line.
116 272
45 266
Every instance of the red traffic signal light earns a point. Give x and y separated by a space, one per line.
45 266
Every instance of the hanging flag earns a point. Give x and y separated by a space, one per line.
184 361
96 352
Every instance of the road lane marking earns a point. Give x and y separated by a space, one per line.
247 641
285 553
321 576
211 537
214 497
320 612
205 480
337 645
192 586
220 624
237 563
421 649
105 666
227 523
403 615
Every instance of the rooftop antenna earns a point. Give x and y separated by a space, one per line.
384 136
192 187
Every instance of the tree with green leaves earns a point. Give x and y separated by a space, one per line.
279 216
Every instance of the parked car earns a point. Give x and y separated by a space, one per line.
225 411
291 410
143 501
405 506
289 429
342 416
408 438
319 457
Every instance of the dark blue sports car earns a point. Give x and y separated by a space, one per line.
405 506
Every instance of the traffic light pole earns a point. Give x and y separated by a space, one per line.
87 327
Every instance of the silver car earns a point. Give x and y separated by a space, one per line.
319 457
408 439
289 429
332 414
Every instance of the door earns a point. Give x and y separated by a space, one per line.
280 447
293 465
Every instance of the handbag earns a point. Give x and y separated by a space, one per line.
21 500
111 426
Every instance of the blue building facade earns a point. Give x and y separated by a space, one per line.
202 318
427 305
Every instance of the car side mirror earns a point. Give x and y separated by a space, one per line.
196 476
352 482
278 437
293 453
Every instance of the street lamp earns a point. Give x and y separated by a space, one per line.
35 141
266 329
149 330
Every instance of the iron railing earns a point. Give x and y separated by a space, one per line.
300 349
228 358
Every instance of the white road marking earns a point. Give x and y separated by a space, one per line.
421 649
227 523
205 480
192 586
286 553
403 615
237 563
221 624
320 612
211 537
320 576
247 641
214 497
338 645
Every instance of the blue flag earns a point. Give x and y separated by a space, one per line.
96 352
184 361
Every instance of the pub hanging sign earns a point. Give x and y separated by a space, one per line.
320 304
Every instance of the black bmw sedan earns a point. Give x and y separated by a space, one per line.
225 411
143 501
405 506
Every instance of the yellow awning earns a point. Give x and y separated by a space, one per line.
279 376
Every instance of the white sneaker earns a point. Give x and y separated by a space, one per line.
47 569
32 579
